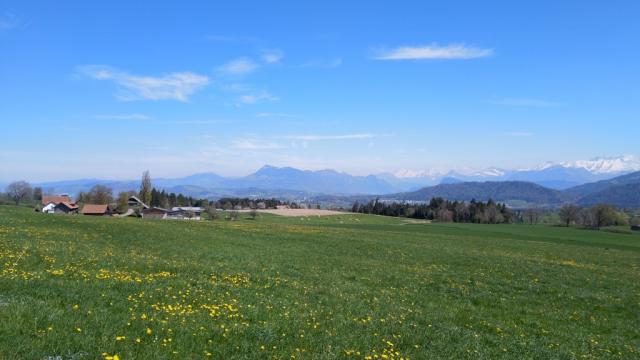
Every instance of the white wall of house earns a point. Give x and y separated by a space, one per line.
49 208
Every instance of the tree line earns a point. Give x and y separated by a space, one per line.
441 209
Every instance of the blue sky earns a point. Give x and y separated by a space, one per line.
108 90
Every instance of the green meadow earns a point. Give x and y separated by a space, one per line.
335 287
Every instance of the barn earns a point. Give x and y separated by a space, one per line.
154 213
65 207
95 210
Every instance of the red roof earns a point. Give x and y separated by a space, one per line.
46 199
93 209
69 205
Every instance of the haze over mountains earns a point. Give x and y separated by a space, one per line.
295 182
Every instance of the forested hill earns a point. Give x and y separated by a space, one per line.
503 191
622 191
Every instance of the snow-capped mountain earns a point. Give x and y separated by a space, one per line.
603 165
557 175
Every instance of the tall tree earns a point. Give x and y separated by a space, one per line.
19 190
145 188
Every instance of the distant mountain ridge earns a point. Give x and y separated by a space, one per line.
514 192
552 185
622 191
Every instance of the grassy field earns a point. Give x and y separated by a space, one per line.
347 286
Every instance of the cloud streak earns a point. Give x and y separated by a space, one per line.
175 86
434 51
272 56
251 144
263 96
239 66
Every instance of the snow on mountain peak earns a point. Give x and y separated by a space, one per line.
603 165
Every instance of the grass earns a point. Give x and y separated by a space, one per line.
352 287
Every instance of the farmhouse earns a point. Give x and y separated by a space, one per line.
65 207
95 210
154 213
185 213
50 202
133 201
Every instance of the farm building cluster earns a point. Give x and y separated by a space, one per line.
62 204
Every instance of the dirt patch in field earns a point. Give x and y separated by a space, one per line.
300 212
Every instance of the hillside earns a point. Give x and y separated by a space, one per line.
311 287
578 192
503 191
622 196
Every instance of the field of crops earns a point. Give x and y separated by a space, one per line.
344 286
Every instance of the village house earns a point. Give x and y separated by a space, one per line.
50 202
65 207
134 201
154 213
185 213
95 210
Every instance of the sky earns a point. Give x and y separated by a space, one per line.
107 90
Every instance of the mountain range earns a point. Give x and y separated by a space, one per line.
622 191
583 182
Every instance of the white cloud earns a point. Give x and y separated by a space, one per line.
240 66
331 137
272 56
123 117
434 51
250 99
252 144
524 102
175 86
327 64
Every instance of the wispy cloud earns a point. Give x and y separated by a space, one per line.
123 117
272 56
323 63
175 86
253 144
239 66
524 102
260 97
434 51
10 20
331 137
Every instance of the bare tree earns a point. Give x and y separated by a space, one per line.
213 213
569 214
19 190
253 214
532 215
100 194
